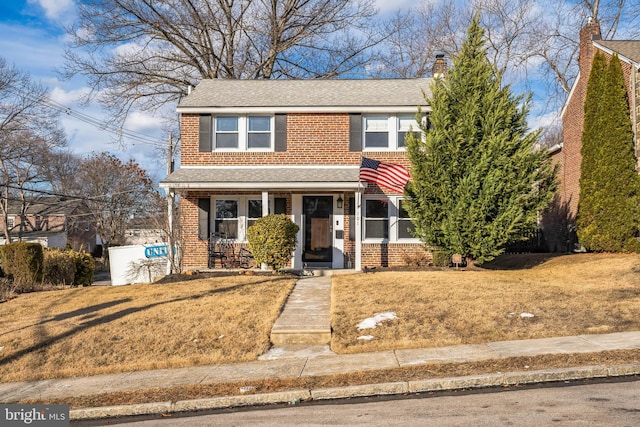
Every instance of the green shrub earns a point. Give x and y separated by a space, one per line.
24 262
85 268
272 239
441 258
632 245
59 267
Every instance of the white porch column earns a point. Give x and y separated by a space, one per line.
170 242
296 216
265 212
265 203
358 218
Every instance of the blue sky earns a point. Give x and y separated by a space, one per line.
33 41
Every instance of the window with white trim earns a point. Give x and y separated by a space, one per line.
387 132
225 221
226 132
407 125
405 225
376 219
233 215
11 222
259 132
376 132
386 219
243 133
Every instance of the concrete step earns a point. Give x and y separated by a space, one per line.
305 318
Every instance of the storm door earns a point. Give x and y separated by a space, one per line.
318 231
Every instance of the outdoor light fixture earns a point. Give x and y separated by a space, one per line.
340 201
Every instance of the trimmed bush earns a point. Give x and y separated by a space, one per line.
85 268
59 267
272 239
24 262
441 258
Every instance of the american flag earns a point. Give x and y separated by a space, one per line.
388 175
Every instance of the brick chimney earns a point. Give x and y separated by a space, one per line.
439 67
591 31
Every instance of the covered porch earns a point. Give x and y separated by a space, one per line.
219 203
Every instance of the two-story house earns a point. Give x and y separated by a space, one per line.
254 147
53 222
559 222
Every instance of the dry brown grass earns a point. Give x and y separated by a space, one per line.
568 295
94 330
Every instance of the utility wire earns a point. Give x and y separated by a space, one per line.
100 124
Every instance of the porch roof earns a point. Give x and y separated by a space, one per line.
264 178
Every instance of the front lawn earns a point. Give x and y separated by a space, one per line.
563 295
95 330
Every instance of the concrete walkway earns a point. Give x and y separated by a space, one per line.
324 362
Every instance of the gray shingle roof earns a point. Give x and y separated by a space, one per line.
308 93
263 178
630 49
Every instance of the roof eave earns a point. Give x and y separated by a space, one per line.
301 109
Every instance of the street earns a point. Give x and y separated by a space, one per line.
599 404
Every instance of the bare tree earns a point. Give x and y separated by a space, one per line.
116 192
530 41
146 53
29 132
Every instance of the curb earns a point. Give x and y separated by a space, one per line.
295 396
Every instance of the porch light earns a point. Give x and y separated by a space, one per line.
340 201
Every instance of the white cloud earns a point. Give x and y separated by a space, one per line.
68 97
54 9
385 6
544 120
139 121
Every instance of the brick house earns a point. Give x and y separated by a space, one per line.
53 222
253 147
559 223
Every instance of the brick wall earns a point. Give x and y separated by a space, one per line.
312 139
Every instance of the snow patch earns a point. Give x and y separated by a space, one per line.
365 337
524 315
372 322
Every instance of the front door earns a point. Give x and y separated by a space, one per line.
317 231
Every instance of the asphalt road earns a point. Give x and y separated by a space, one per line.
593 404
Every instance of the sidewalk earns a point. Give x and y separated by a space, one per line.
297 365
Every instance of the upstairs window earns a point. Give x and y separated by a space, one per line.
259 132
407 125
241 133
226 132
388 132
376 132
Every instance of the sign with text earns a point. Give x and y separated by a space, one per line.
156 251
34 415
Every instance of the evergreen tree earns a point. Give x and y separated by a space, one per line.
478 183
592 134
608 209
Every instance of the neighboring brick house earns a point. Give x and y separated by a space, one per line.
560 222
252 147
53 222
